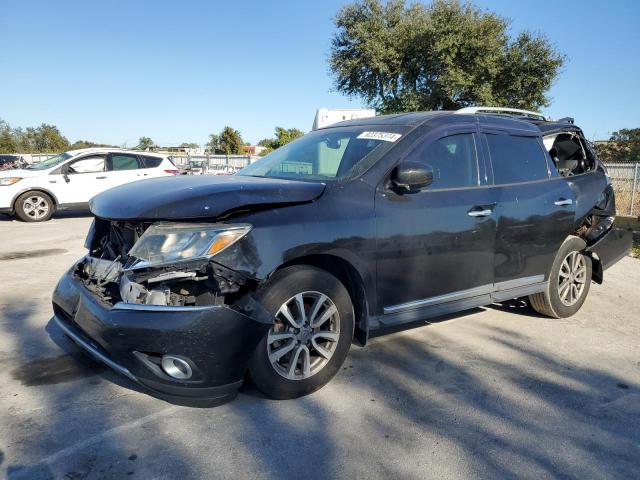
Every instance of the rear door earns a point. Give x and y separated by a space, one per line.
435 245
124 168
535 209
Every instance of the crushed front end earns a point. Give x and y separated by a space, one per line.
150 301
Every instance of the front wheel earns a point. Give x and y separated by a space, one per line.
569 281
311 334
34 207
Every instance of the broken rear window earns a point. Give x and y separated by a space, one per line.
570 153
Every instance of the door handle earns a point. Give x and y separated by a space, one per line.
480 212
563 201
101 178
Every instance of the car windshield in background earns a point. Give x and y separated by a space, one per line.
50 162
331 154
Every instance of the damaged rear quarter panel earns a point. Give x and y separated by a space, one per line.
587 189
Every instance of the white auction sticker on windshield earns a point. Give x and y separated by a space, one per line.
384 136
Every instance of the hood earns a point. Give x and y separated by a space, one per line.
19 172
184 197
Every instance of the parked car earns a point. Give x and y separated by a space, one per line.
191 284
69 180
8 162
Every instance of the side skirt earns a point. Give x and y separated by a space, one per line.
458 301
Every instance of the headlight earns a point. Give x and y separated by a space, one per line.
9 180
170 242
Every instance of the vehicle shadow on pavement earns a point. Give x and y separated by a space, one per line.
519 306
80 436
413 403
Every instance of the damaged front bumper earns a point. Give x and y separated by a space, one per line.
216 341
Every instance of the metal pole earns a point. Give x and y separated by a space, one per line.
633 190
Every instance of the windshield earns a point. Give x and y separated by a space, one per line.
331 154
50 162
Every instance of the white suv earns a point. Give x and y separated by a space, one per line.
71 179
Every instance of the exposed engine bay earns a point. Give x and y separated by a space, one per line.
570 152
114 275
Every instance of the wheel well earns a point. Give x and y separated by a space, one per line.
350 278
35 189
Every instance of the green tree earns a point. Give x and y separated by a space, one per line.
214 143
78 144
445 55
282 137
145 143
47 139
623 146
230 141
189 145
8 142
285 135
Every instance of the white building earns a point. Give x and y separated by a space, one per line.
329 116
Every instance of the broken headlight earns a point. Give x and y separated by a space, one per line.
164 243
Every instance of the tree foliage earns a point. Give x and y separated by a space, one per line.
145 143
623 146
227 142
189 145
282 137
43 139
445 55
87 144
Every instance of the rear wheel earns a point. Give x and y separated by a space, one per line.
34 207
569 282
311 334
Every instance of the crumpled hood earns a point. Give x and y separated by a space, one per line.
184 197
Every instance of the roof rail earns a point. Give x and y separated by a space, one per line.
504 110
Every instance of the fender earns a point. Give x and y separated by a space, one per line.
56 203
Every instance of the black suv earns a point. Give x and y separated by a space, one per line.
191 283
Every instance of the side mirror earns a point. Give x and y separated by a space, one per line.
412 175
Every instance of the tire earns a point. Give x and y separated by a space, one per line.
34 206
269 368
558 301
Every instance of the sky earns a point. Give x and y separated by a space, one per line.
176 71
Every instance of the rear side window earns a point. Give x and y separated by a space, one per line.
516 159
123 161
452 159
151 162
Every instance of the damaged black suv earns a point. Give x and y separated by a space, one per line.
191 284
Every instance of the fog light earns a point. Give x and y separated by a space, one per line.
176 367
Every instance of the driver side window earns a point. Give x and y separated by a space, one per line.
91 164
453 160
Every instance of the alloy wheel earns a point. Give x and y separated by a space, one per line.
304 336
35 207
572 278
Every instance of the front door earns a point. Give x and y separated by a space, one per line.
436 245
82 179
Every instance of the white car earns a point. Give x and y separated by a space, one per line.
71 179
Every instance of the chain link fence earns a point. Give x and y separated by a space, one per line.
625 178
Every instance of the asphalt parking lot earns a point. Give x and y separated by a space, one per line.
498 392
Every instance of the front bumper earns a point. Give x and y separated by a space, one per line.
217 341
